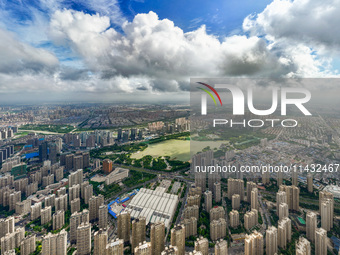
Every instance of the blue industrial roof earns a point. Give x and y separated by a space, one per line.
336 242
32 155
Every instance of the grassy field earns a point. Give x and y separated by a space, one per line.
176 149
49 128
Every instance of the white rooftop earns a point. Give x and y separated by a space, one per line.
154 205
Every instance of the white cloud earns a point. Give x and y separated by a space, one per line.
157 49
303 33
17 57
309 21
152 54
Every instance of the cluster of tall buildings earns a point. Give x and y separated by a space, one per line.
49 151
251 219
89 140
6 152
71 161
293 196
8 132
12 239
129 135
253 244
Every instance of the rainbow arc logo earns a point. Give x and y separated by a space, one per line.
209 93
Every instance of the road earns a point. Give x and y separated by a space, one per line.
266 220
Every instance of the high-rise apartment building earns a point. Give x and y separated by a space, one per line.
250 186
61 203
12 240
75 220
320 241
271 241
194 200
13 199
202 245
116 247
102 215
236 201
157 236
138 232
253 244
217 192
75 205
27 245
324 195
207 200
310 183
84 239
284 232
86 191
74 192
311 226
50 200
58 220
254 200
143 249
293 196
303 246
218 229
200 180
6 226
100 242
124 225
107 166
78 162
190 226
295 177
281 197
195 191
94 203
191 211
46 215
55 244
178 238
221 247
216 213
235 186
250 219
75 177
23 207
265 177
234 218
279 178
61 192
326 210
35 211
283 211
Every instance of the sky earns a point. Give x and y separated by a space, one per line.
147 51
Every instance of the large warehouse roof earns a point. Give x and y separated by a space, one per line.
154 205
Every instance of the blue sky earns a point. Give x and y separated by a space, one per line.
220 17
105 47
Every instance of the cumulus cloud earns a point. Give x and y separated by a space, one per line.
152 54
17 57
157 49
308 21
